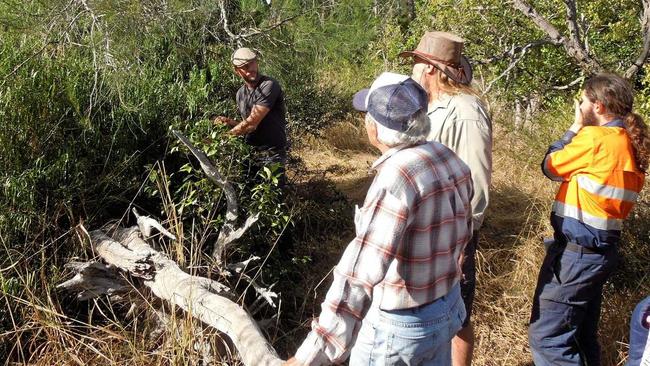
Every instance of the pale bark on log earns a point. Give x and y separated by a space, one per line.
94 279
193 294
146 223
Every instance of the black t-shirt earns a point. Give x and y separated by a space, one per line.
271 132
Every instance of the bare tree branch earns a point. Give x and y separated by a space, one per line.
255 31
541 22
574 48
248 32
146 223
228 233
569 85
572 22
513 63
224 20
513 51
643 55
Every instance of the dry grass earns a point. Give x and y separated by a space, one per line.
55 329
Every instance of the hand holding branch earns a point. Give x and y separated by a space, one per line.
225 120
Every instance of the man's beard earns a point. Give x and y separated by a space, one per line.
589 118
253 79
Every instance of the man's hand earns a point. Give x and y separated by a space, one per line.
225 120
578 120
292 362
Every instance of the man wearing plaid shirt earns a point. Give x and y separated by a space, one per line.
395 298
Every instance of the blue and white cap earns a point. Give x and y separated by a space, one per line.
392 100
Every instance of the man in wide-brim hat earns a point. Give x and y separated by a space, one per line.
443 51
458 120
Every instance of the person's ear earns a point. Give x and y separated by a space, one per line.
371 130
430 69
599 108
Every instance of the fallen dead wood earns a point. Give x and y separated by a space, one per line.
201 297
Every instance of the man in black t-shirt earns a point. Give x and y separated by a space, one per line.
261 105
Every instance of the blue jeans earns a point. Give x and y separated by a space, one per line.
639 326
566 306
416 336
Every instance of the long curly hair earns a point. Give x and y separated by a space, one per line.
616 94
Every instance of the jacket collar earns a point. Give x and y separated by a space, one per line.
442 102
615 123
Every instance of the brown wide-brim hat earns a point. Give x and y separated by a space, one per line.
444 51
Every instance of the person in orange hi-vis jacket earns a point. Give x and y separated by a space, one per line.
601 162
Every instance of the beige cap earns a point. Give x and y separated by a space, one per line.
243 56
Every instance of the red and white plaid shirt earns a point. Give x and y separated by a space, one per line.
410 233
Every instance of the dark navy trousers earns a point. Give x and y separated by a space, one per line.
566 306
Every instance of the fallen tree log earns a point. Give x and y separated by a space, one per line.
198 296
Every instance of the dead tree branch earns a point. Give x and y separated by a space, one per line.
572 23
645 51
146 223
255 31
569 85
512 65
513 50
224 20
248 32
572 45
228 233
94 279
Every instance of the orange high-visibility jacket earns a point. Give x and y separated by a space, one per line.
600 184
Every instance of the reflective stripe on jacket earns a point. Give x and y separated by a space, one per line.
600 184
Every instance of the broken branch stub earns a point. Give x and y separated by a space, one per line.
146 223
94 279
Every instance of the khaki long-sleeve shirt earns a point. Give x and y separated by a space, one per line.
461 123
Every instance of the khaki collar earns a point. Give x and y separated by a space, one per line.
442 102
